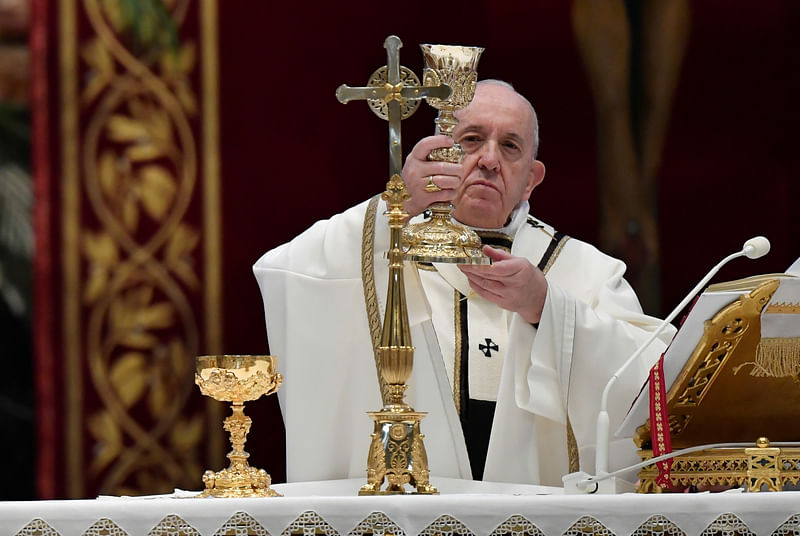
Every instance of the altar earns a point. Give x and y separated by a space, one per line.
463 508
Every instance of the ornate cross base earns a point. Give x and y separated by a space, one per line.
397 454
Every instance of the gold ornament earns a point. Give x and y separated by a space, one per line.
237 379
442 239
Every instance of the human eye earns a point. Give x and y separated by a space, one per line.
470 142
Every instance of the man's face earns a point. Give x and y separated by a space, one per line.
496 133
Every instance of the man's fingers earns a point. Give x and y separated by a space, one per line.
424 147
444 182
491 285
496 254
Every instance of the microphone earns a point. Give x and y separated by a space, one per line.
753 249
756 247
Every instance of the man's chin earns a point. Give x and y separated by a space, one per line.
478 214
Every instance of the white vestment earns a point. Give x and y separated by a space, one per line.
317 324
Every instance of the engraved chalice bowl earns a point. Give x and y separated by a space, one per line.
442 239
237 379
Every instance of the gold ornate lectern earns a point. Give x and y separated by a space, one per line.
726 393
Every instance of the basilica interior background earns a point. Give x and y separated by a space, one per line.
151 150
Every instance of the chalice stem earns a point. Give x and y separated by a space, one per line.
238 426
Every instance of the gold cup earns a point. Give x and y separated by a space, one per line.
442 239
237 379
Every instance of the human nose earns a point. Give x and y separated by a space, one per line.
488 157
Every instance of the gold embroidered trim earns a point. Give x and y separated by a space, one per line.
572 449
786 308
555 254
370 293
457 352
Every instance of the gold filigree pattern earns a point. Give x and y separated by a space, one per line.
658 525
309 522
446 525
727 525
173 525
588 525
516 525
379 79
104 527
241 524
377 524
37 527
135 266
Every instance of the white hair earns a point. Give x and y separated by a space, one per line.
535 118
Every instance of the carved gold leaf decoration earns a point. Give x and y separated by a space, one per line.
122 128
107 172
102 254
175 69
128 377
132 317
178 254
187 433
154 119
101 69
130 211
143 151
157 191
113 12
108 438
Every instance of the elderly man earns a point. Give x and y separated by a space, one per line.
511 359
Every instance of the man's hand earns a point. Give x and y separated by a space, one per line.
418 170
511 282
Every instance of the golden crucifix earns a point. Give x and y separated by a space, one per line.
396 451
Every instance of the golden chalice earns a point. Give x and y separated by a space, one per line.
237 379
442 239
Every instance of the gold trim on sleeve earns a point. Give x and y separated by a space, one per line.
457 351
370 293
555 254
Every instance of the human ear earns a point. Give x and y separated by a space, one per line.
535 178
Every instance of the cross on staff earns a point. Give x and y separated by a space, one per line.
387 88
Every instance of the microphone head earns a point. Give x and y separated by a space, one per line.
756 247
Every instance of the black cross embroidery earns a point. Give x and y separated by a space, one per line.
488 347
535 224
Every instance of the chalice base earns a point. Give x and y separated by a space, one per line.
442 239
397 455
238 483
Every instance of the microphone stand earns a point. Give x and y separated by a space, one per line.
602 482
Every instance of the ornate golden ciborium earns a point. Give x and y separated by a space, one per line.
237 379
442 239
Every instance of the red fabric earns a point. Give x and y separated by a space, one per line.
43 265
659 422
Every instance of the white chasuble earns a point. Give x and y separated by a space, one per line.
324 291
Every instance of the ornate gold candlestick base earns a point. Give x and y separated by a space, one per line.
397 454
236 379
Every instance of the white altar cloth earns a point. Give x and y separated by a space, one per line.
463 508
